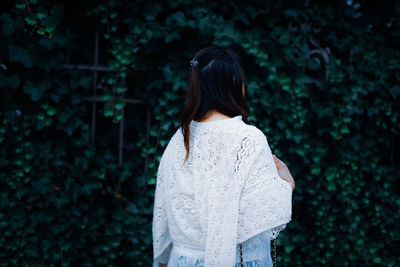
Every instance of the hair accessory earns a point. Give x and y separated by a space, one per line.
194 63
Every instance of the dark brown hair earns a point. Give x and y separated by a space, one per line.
214 82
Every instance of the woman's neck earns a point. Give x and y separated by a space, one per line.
213 115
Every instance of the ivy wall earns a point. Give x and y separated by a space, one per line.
78 165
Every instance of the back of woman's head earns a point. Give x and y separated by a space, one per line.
215 82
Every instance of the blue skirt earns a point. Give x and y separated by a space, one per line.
255 251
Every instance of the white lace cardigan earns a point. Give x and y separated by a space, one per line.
228 191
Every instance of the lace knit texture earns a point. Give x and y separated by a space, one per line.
228 192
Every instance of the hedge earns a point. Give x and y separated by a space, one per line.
322 82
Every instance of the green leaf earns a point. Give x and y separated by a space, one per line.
9 25
36 91
41 31
41 15
31 20
20 5
120 89
51 111
108 111
9 81
118 104
18 54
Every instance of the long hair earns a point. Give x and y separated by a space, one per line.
215 81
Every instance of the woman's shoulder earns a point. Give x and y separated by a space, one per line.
238 134
238 130
252 132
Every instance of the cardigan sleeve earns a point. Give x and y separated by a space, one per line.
266 199
246 200
162 242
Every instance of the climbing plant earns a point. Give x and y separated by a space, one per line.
322 83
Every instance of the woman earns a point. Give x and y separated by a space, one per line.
218 190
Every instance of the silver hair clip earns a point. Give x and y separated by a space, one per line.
194 63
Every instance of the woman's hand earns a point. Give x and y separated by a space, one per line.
284 172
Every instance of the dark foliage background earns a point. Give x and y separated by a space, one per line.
322 81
